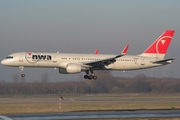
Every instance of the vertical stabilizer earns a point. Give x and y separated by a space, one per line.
159 47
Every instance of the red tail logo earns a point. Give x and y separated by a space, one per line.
160 46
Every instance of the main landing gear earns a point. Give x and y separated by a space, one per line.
92 76
22 71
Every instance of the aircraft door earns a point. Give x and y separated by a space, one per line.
54 59
20 57
142 61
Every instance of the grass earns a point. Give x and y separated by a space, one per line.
50 104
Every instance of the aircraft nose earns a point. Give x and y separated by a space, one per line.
3 62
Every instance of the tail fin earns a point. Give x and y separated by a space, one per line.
159 47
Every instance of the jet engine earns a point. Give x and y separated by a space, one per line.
70 69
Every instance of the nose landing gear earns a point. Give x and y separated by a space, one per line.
22 71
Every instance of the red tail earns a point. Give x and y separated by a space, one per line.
160 46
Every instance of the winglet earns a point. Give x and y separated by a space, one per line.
125 50
96 52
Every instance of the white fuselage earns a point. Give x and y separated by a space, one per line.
60 60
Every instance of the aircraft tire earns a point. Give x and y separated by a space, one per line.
90 77
22 75
94 77
86 77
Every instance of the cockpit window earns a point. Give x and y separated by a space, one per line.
9 57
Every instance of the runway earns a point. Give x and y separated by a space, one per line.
94 115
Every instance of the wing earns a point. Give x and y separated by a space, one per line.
100 64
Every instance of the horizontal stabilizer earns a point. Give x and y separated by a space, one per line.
165 60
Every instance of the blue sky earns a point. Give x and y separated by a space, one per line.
82 26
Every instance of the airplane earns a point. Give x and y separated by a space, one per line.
71 63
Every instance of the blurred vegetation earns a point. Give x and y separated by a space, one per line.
105 83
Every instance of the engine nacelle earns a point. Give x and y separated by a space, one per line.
70 69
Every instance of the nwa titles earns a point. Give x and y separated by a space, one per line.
33 57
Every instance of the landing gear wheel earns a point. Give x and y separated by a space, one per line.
90 77
22 75
22 71
94 77
86 76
